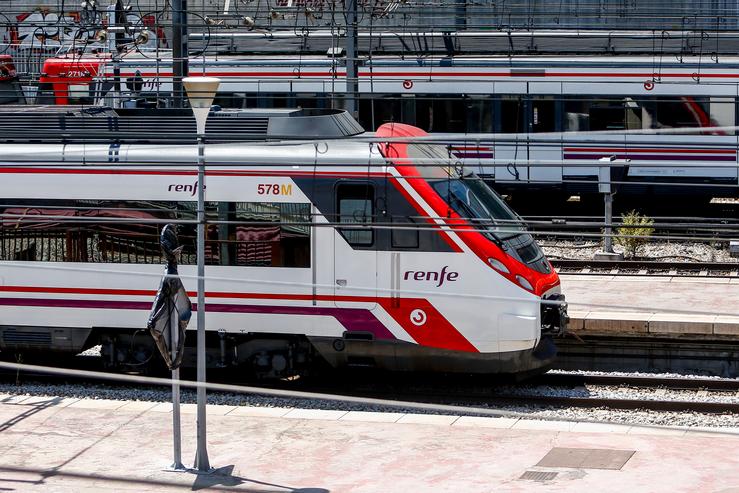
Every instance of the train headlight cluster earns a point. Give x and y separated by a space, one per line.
498 265
524 283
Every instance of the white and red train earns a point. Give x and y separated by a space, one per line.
613 96
345 251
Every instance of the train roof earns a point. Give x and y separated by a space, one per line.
300 157
85 124
684 39
652 60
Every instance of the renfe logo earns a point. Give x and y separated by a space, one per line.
419 275
179 187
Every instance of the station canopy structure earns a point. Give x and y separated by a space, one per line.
420 28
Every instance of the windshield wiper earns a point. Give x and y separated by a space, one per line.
491 233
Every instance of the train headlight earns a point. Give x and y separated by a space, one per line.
524 283
498 265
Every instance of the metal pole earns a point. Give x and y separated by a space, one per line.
608 245
174 333
180 52
119 21
352 81
201 455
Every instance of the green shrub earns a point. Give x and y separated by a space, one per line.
632 234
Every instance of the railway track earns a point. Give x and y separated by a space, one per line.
694 399
646 267
641 381
553 390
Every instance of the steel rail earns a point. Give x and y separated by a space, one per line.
483 397
486 397
642 381
651 266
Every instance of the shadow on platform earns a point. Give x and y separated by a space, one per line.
220 480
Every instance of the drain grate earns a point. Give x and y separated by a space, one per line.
586 458
538 475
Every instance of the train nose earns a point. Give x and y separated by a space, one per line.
554 318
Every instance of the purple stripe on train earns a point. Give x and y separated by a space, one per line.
353 319
657 157
473 155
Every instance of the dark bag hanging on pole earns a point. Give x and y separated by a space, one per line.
171 301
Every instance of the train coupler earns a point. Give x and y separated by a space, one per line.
554 318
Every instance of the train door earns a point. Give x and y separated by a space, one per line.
355 246
510 113
545 117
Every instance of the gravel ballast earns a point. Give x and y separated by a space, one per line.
657 251
630 417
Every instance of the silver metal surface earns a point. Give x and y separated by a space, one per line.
538 475
352 80
201 455
586 458
176 423
608 238
179 50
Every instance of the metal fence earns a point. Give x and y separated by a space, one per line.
29 61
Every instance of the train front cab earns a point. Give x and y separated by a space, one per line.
477 298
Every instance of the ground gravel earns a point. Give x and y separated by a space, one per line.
632 417
658 251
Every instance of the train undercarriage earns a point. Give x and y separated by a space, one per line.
262 356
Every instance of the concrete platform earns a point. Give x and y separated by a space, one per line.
68 445
606 304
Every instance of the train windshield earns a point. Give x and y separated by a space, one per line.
470 197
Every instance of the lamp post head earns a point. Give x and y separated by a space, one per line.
200 93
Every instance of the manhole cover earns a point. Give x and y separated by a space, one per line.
586 458
538 475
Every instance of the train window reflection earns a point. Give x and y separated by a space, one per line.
630 113
543 114
355 206
404 233
479 115
512 115
241 233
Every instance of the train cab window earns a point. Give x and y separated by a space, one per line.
355 205
404 233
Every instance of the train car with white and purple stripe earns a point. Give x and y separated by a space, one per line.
346 251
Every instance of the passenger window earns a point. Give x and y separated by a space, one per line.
355 206
480 114
511 115
543 114
238 233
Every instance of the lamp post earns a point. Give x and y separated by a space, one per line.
200 93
